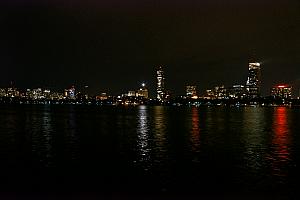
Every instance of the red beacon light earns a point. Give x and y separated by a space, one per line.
282 86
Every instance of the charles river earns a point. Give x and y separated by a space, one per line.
149 151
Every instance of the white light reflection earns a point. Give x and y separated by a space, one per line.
143 136
47 134
253 138
41 130
160 139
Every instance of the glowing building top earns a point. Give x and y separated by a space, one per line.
283 91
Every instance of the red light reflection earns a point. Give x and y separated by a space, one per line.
280 142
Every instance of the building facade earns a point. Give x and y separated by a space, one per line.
191 91
160 89
70 93
281 92
237 92
253 83
143 92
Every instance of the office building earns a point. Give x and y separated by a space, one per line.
131 93
253 83
191 91
282 91
143 92
160 90
70 93
220 92
237 92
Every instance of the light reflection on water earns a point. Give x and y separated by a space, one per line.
195 130
39 125
143 135
253 145
159 132
253 138
47 134
280 154
267 140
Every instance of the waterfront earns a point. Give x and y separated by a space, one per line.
149 150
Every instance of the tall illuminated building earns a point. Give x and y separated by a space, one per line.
254 80
160 90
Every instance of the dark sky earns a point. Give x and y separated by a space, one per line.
113 46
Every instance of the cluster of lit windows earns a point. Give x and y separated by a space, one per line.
281 91
160 84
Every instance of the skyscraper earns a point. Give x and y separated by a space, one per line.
160 90
254 80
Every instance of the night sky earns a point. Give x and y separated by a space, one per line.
114 46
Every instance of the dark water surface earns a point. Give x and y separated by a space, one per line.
149 151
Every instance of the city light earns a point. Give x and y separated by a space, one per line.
255 64
237 94
160 89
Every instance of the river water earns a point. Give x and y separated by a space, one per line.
149 151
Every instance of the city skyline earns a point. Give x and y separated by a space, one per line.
251 89
149 99
252 85
107 45
152 84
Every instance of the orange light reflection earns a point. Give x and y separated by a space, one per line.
195 132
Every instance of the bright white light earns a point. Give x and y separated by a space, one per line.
143 84
255 64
